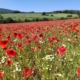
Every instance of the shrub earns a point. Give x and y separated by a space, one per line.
2 20
78 15
52 15
26 20
1 17
37 19
33 19
45 19
46 14
69 15
62 18
19 20
9 20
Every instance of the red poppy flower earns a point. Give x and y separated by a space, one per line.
11 53
28 41
39 48
15 35
1 74
41 36
20 36
9 62
27 72
3 43
20 45
61 50
35 38
53 39
78 71
33 49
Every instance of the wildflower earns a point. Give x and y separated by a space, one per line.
39 47
9 62
20 45
41 36
17 67
61 50
3 43
54 39
49 57
3 59
33 49
20 36
69 39
27 72
58 74
78 71
11 53
15 35
1 74
28 41
35 38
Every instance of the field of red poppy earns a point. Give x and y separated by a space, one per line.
48 50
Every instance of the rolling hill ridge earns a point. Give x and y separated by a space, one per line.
6 10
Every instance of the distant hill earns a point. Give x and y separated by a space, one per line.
6 10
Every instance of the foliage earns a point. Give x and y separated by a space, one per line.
26 20
52 15
32 17
78 14
1 17
44 13
9 20
62 18
16 11
69 15
67 11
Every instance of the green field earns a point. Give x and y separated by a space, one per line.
30 16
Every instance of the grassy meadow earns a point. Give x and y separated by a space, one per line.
23 16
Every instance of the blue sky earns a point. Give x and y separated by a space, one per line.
40 5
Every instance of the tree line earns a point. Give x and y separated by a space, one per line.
58 11
68 11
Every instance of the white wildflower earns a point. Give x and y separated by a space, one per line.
3 59
15 40
49 57
69 39
71 59
64 45
17 67
60 75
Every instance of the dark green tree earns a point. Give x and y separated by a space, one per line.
44 13
16 11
